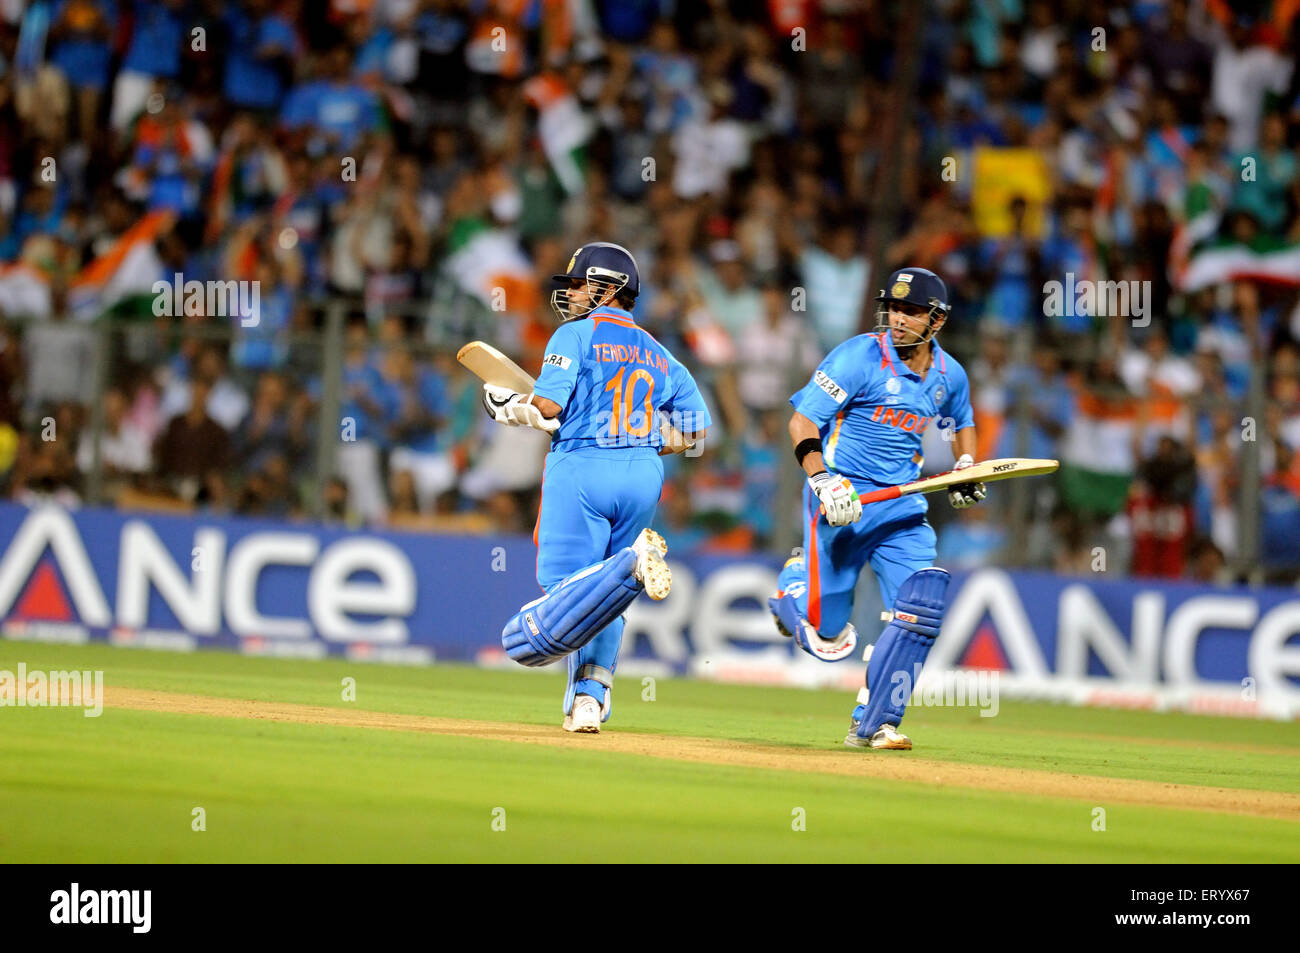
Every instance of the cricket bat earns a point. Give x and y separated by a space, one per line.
986 472
492 367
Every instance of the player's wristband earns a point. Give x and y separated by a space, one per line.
806 446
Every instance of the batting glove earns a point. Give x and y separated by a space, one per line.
516 410
839 500
966 494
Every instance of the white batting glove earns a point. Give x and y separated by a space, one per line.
839 500
966 494
516 410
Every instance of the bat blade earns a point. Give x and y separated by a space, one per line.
988 471
492 367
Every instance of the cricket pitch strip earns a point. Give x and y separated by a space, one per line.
890 766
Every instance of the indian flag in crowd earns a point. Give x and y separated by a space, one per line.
563 127
1199 258
130 266
1097 462
488 264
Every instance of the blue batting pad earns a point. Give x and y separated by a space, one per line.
570 616
901 650
786 611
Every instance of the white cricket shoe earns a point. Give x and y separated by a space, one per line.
651 570
888 738
585 716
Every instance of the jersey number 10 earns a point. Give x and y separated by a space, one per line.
623 399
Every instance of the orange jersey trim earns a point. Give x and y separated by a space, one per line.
598 319
814 575
885 359
833 440
537 524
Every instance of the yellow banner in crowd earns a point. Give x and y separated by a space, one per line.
999 176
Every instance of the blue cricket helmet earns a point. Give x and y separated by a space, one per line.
604 268
919 287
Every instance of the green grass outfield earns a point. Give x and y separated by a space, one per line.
122 787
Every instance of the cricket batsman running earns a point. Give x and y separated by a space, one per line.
603 384
856 428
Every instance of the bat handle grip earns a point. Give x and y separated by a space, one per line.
875 496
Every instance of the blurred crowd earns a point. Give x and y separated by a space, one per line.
426 164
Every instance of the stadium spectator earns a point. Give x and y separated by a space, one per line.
154 52
366 406
1162 382
269 490
193 453
124 448
834 277
726 291
335 111
1010 266
226 402
271 428
708 147
1041 393
1159 511
1267 186
80 46
260 49
419 445
773 352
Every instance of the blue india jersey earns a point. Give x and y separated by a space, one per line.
872 409
612 378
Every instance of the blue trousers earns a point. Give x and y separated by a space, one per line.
594 503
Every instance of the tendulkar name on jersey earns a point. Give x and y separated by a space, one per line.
613 379
872 409
623 354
